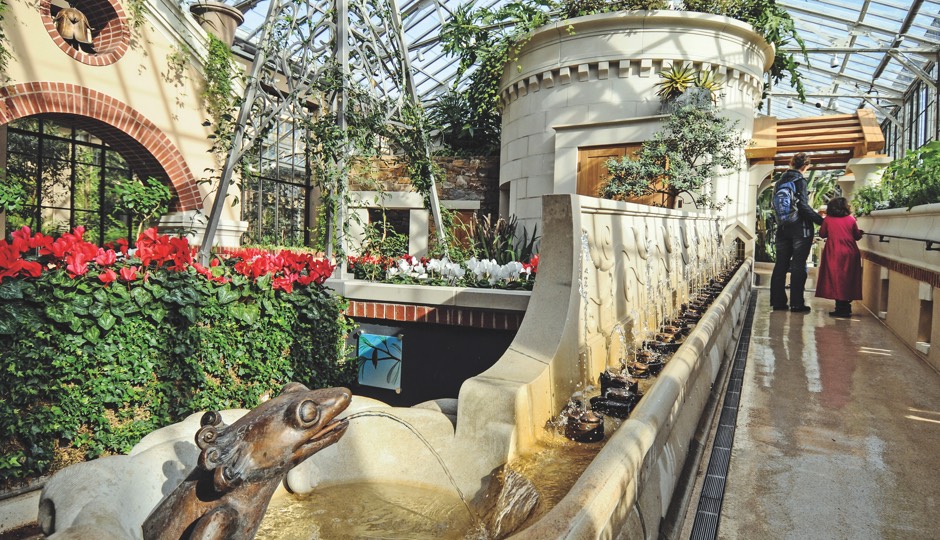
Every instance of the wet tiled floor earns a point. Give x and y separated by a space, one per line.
837 434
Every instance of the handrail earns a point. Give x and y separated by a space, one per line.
929 244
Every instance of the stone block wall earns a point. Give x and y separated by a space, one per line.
901 276
463 179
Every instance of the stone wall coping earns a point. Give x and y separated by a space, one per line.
490 299
404 200
623 22
461 205
924 209
675 20
921 224
616 122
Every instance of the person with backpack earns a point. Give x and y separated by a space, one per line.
840 267
795 231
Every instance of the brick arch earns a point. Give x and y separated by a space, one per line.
139 141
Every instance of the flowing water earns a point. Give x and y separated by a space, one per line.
531 486
369 510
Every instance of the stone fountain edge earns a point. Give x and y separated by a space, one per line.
628 487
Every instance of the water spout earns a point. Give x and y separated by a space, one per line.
437 456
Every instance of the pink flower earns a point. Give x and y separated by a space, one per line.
128 273
76 265
106 258
108 276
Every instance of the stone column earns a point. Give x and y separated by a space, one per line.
418 232
863 171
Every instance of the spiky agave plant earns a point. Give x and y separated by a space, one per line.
676 80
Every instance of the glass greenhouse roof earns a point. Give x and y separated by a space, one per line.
861 53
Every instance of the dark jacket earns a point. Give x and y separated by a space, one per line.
803 228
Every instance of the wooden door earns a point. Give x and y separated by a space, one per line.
592 165
593 173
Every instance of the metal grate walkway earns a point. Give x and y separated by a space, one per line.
705 526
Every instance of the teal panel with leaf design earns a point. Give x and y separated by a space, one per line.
380 361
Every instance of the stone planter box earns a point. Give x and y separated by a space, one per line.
901 276
920 222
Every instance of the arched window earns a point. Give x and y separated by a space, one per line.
69 176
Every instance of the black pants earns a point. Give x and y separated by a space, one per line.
791 256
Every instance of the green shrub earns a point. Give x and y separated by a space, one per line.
89 363
907 182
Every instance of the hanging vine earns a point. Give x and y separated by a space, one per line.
219 93
414 141
4 52
334 153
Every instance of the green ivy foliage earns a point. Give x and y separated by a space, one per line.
12 194
87 369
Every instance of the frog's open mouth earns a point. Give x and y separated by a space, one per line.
336 426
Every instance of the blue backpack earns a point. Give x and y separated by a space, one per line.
785 203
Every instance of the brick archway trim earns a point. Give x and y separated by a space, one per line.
127 130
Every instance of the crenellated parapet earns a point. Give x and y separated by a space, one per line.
748 85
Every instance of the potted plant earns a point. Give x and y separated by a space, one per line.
217 18
142 201
907 182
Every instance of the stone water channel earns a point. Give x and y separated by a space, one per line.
531 484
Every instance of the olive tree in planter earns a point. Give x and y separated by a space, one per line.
695 146
142 201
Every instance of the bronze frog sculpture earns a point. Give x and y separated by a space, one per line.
241 465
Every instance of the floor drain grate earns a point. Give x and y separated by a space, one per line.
705 526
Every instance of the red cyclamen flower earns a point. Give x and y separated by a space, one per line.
76 265
106 257
129 273
108 276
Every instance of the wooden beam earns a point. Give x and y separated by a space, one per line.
824 158
833 167
815 118
814 130
871 131
810 147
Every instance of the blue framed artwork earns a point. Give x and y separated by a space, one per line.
380 361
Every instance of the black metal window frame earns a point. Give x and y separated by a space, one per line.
918 115
47 132
279 173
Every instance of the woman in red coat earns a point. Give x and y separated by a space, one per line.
840 268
